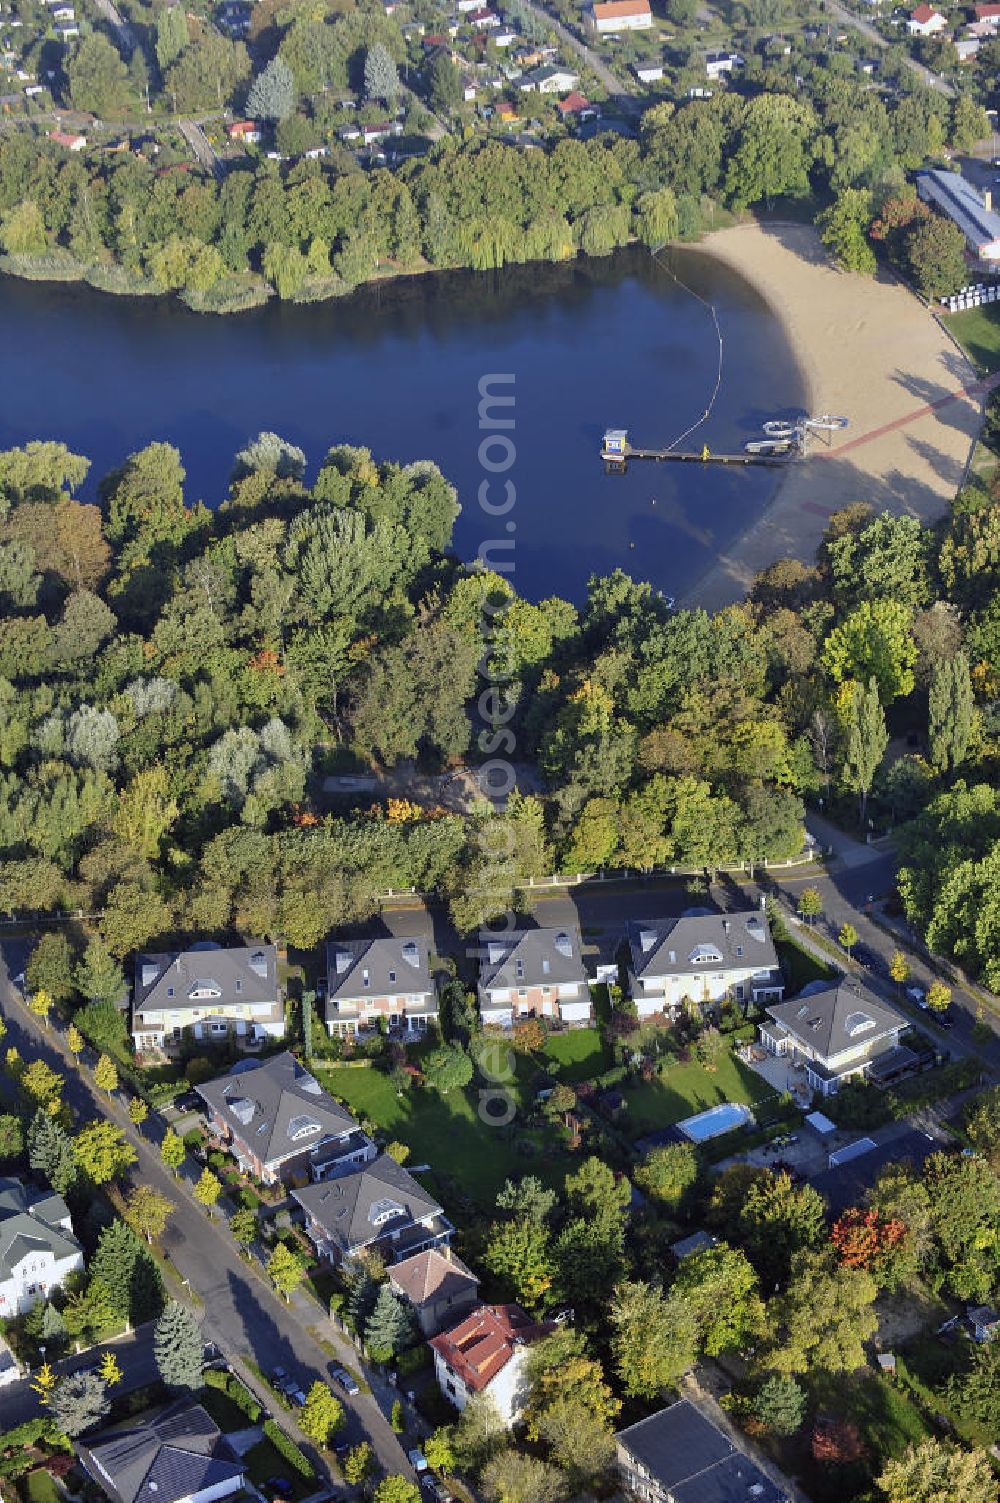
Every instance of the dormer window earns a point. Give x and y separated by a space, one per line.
385 1210
705 955
204 991
302 1127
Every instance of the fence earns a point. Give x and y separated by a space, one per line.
574 879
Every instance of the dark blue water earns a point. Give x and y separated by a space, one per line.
609 343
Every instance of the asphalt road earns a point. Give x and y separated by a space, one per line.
932 80
18 1402
242 1314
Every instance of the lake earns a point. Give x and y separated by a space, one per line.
592 344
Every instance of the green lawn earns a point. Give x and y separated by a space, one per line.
580 1054
684 1089
39 1487
799 966
227 1415
264 1460
887 1420
448 1132
978 332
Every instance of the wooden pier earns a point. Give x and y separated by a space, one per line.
620 457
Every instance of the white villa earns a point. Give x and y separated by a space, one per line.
701 958
838 1032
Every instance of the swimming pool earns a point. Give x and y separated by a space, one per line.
718 1119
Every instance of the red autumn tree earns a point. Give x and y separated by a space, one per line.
836 1442
862 1237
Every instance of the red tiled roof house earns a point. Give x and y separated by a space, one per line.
485 1353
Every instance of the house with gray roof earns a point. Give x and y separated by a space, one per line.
209 993
838 1031
702 958
371 979
376 1207
175 1454
534 972
973 212
38 1250
679 1456
437 1286
279 1123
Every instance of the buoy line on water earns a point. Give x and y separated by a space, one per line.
655 253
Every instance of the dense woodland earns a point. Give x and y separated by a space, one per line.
176 682
318 228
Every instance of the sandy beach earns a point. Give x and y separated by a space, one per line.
868 350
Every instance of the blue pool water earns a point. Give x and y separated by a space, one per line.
718 1119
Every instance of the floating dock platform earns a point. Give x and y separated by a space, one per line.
621 455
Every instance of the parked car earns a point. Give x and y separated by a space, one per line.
417 1459
342 1376
918 995
297 1397
867 957
436 1489
944 1019
278 1377
279 1486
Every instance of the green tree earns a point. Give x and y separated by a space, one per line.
935 1470
776 1220
899 968
78 1402
244 1225
75 1042
867 739
939 996
42 1083
396 1489
40 1006
50 1152
935 257
448 1068
171 35
102 1152
951 710
810 905
874 642
22 230
138 1111
381 78
98 79
147 1212
272 93
106 1075
780 1405
445 90
11 1137
178 1347
773 150
131 1280
389 1329
654 1338
172 1150
519 1252
50 967
99 977
513 1477
720 1285
848 937
286 1270
439 1451
527 1199
843 230
207 1190
669 1174
322 1415
825 1317
358 1465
